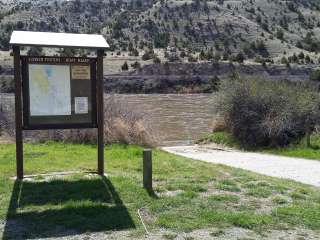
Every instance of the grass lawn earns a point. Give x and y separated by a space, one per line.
190 195
299 150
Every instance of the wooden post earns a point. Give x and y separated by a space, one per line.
18 111
100 108
147 169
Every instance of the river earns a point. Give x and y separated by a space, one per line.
177 118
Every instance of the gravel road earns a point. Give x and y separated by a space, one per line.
301 170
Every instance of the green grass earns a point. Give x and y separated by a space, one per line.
221 138
206 195
299 150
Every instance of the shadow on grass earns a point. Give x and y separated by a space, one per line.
64 208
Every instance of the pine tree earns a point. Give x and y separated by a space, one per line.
125 67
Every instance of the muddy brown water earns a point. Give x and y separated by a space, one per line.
177 118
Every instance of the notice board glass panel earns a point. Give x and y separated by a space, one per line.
59 92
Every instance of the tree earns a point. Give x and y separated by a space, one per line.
183 54
156 60
135 52
217 56
68 52
130 47
192 58
280 34
214 83
202 55
240 57
136 65
125 67
35 51
308 59
258 18
295 58
161 40
261 46
284 60
265 26
147 55
173 57
299 45
225 55
301 55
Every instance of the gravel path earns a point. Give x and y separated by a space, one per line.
301 170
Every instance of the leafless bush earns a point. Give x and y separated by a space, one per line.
126 126
121 126
6 127
2 122
73 135
218 124
264 113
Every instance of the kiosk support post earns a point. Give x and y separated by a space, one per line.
100 108
18 111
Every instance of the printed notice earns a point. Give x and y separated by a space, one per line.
81 72
81 105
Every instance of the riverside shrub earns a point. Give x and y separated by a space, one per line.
261 113
122 125
2 122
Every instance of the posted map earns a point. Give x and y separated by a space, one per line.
50 93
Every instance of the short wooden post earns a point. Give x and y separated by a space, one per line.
147 169
100 101
18 111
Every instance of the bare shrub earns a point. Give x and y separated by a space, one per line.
121 126
126 126
73 135
6 127
218 124
267 113
2 122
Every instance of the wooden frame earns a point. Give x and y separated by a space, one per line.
18 111
25 60
62 40
100 102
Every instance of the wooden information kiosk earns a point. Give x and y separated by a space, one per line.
58 92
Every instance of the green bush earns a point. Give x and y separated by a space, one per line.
260 113
315 75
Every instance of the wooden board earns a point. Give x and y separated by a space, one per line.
47 39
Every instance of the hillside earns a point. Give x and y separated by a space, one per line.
260 30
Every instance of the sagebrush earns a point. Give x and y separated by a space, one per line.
121 125
267 113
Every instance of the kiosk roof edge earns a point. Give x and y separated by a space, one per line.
60 40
